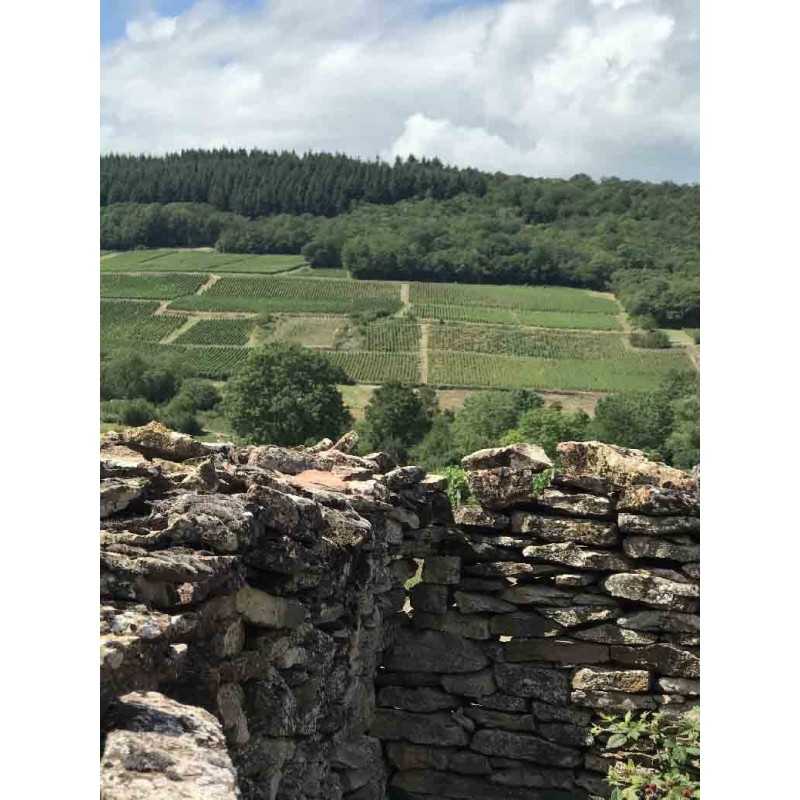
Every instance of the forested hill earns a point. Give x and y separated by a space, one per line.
417 219
257 183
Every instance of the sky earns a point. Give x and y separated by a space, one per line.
535 87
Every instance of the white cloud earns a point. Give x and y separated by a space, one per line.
542 87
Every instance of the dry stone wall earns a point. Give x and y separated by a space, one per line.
564 593
258 641
246 597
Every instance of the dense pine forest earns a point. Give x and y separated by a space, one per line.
417 219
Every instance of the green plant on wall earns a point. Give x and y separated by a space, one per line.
667 761
457 486
541 481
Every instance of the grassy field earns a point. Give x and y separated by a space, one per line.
459 338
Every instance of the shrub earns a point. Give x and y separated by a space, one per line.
668 755
202 394
179 414
650 339
135 412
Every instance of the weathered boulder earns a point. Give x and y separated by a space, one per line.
159 748
572 555
269 611
502 487
473 684
678 549
613 634
575 504
652 590
488 718
116 494
155 440
468 516
554 529
470 626
514 456
641 525
613 702
430 597
672 621
622 466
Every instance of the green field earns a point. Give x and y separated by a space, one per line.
633 373
230 332
127 321
294 295
156 287
199 261
449 335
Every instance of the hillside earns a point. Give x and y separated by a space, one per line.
417 221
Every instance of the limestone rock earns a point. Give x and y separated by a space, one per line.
403 477
622 466
613 702
470 626
521 774
523 624
155 440
407 756
442 569
477 517
504 569
672 621
555 529
537 594
159 748
572 616
571 555
468 763
514 456
473 603
600 679
503 487
613 634
658 501
497 742
488 718
575 504
562 651
647 588
116 494
423 784
423 699
664 658
528 680
438 728
429 597
679 549
641 525
431 651
471 546
268 611
475 685
679 686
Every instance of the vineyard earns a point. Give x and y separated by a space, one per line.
636 372
124 321
532 298
450 335
198 261
294 295
364 367
536 343
507 316
155 287
230 332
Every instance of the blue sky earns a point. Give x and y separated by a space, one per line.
537 87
